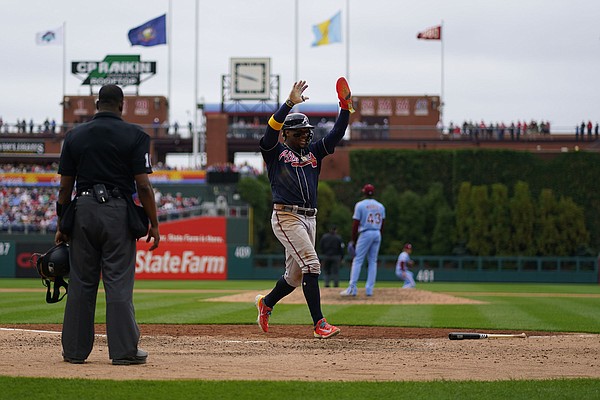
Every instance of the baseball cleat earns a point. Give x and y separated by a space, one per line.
264 313
351 291
324 330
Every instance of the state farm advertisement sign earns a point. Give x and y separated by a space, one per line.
193 248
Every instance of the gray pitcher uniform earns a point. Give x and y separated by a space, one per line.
294 178
109 151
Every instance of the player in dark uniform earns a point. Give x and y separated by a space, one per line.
293 168
108 158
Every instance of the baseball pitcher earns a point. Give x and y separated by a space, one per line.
368 219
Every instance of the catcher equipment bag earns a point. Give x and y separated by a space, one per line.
53 266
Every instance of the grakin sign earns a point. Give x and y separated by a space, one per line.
122 70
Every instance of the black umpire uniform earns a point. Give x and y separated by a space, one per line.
113 153
332 253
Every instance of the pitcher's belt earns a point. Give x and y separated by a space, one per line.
309 212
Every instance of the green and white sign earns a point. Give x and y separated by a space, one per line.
122 70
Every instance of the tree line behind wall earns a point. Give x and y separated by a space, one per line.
483 202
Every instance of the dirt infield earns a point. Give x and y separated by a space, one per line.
227 352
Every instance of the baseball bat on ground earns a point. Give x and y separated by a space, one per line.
470 335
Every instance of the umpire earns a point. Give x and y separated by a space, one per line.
109 159
332 253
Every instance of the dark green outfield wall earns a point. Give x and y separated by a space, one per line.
243 264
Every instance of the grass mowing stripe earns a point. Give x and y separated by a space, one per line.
553 313
563 314
268 284
492 287
66 389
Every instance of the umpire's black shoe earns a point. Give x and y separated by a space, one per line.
139 358
73 360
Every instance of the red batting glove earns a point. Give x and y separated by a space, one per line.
344 94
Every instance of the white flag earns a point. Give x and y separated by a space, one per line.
50 36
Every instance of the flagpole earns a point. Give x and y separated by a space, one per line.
195 109
348 39
170 58
64 77
296 41
442 34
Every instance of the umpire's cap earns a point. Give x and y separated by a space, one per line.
368 189
296 121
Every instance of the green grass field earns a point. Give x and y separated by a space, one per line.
538 307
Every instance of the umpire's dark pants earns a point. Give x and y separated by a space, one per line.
101 245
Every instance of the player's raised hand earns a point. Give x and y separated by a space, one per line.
296 95
344 94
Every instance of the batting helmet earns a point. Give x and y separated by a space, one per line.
296 121
368 189
53 266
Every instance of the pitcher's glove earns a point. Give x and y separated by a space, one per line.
344 94
351 250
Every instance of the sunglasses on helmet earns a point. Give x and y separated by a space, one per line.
302 132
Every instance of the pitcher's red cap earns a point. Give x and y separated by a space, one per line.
368 189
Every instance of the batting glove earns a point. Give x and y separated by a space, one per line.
344 94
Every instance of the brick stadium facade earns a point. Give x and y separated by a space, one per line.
390 122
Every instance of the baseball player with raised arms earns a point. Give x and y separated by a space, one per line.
402 265
367 225
293 168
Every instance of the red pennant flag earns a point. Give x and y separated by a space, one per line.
434 33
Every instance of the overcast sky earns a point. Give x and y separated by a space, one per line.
504 60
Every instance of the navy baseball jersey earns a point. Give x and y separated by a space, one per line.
294 175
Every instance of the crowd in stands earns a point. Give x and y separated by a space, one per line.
21 208
169 202
50 126
22 126
33 209
589 128
245 169
28 168
499 130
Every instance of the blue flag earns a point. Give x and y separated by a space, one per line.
151 33
329 31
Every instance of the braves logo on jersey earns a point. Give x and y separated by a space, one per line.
290 157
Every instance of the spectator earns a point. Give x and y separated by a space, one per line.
156 126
